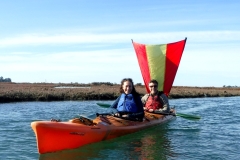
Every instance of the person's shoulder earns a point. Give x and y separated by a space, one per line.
161 93
122 94
119 97
144 97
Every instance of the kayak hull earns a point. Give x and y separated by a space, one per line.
54 136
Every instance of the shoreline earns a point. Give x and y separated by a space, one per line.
23 92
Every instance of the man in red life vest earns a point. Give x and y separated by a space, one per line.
155 100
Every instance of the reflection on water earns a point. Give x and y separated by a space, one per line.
143 145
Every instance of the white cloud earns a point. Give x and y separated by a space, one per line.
147 37
70 61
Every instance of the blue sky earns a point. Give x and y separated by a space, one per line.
90 41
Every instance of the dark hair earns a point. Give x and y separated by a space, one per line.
134 92
153 81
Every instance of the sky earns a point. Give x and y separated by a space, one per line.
84 41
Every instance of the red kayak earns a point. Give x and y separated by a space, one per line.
55 136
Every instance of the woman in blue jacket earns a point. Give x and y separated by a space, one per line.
128 104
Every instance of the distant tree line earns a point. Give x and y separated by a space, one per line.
109 84
224 86
101 83
5 79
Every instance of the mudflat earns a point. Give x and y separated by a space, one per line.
17 92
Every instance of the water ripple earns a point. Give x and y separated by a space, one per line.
215 136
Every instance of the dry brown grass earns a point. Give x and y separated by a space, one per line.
194 92
15 92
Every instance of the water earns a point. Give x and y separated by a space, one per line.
215 136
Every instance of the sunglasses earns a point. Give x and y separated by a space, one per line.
155 86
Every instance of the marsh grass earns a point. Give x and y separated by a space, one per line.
17 92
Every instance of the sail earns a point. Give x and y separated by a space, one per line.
159 62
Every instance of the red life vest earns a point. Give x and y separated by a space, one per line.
153 102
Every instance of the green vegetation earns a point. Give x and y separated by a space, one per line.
5 79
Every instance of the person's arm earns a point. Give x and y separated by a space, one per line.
115 103
140 113
165 103
144 99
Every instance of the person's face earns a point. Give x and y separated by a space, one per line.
127 87
153 88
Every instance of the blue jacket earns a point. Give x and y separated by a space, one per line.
130 104
126 103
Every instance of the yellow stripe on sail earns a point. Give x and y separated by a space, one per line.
156 55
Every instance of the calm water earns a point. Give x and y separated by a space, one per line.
215 136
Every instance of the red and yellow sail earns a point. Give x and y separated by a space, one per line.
159 62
